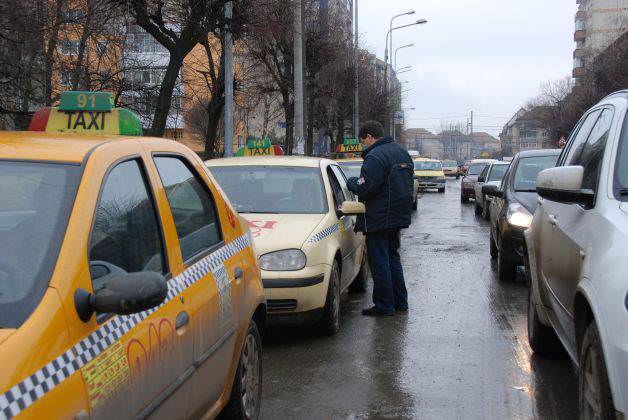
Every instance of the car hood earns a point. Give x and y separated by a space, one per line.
529 200
274 232
429 173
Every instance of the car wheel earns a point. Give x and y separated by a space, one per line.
541 338
486 215
506 271
330 324
359 283
246 395
463 199
441 190
415 204
596 400
478 209
492 246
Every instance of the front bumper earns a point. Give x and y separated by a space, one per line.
451 173
426 184
294 292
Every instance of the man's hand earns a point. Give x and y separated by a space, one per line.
372 176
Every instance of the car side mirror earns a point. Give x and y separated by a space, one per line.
481 179
122 294
563 184
492 191
352 208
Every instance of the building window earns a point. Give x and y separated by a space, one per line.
144 43
68 47
73 15
65 78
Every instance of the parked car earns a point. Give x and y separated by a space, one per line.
577 258
491 175
450 168
512 207
475 168
429 174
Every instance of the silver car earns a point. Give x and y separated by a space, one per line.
491 175
577 258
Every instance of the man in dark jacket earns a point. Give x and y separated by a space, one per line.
385 187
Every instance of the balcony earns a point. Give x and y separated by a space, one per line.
580 35
581 15
579 53
578 72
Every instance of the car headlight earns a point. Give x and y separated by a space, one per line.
518 216
286 260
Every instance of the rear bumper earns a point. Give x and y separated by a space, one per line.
468 192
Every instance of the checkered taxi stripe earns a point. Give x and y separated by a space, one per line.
317 237
24 394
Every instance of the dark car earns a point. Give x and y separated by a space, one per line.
475 168
512 208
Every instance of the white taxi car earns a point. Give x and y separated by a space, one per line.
302 218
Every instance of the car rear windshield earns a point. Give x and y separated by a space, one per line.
427 166
477 168
36 202
527 170
621 169
351 170
273 189
497 173
450 163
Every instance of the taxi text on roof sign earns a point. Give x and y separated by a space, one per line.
87 112
350 146
259 147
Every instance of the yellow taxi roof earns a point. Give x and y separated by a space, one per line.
303 161
426 159
38 145
349 160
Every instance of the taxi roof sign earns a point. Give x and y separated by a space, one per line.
258 144
351 141
86 101
260 147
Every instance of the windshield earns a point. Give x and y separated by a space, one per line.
37 198
450 163
427 166
497 173
527 170
621 169
273 189
477 168
351 170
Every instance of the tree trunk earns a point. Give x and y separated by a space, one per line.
288 109
340 138
78 69
164 101
211 135
309 145
50 52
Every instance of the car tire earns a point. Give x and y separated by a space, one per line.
415 204
493 247
506 271
541 338
478 209
464 199
246 395
359 283
596 400
441 190
330 323
486 214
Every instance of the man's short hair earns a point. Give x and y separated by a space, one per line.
374 128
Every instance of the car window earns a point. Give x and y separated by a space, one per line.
621 167
420 165
273 189
485 171
34 211
340 176
497 173
126 236
593 150
352 170
336 189
476 168
527 170
574 148
192 206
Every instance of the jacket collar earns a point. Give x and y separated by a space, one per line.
379 142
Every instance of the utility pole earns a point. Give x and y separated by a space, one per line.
228 80
298 74
356 64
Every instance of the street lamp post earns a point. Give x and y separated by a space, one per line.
397 50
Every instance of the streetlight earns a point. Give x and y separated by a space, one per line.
399 48
409 12
403 69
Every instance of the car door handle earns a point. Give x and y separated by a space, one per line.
552 220
238 274
182 320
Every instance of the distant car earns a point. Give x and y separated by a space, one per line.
491 175
353 167
475 168
414 153
577 257
512 207
450 168
429 174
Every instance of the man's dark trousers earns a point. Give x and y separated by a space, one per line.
389 287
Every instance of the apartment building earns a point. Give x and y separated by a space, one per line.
525 131
598 23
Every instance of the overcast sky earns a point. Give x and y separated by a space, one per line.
489 56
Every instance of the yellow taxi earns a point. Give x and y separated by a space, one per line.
129 286
450 168
302 218
429 174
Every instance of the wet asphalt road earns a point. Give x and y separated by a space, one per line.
461 351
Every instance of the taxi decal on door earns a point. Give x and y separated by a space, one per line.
24 394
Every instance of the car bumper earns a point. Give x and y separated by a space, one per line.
451 173
293 292
427 185
468 191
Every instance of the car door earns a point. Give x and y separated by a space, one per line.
138 372
345 235
194 214
570 222
357 238
481 181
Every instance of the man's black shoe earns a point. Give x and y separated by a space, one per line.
402 310
373 311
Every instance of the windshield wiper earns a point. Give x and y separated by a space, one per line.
623 191
534 190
